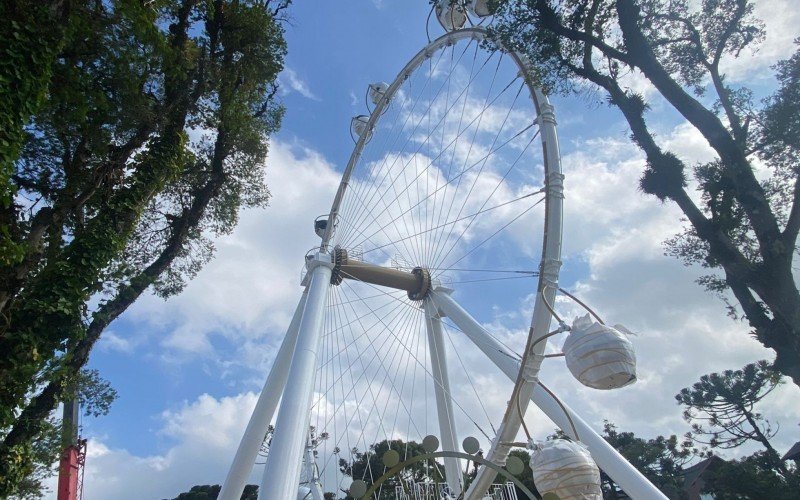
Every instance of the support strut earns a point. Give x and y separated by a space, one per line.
253 436
608 459
444 401
282 472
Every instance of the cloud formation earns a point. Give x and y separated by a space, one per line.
289 77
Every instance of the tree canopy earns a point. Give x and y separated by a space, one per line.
133 133
722 408
368 465
211 492
660 459
744 227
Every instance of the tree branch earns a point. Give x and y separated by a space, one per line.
29 422
550 21
749 192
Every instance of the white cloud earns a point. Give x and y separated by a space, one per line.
204 434
290 77
248 293
781 20
683 330
110 341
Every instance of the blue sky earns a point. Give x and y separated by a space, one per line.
186 369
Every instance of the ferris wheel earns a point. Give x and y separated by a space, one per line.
450 204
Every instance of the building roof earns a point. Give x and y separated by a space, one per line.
691 474
793 453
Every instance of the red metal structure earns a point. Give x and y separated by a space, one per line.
73 456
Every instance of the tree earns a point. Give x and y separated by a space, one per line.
526 476
95 395
209 492
660 459
721 409
150 137
744 227
32 35
752 477
368 465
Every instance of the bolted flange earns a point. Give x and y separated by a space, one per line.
339 259
424 280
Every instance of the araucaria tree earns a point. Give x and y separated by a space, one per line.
722 408
746 226
130 132
723 411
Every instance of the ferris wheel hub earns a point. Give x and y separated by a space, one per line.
417 283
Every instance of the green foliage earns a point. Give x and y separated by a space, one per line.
722 410
45 453
752 477
31 36
526 476
368 465
132 132
721 406
660 459
95 395
209 492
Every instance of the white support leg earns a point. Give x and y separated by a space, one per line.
607 458
256 429
444 403
282 472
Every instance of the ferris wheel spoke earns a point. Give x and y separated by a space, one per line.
466 372
382 166
388 370
359 401
407 118
444 256
451 162
431 162
390 331
456 221
425 142
382 229
496 232
483 165
457 177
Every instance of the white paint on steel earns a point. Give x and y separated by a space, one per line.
608 459
256 429
444 402
551 253
282 472
527 377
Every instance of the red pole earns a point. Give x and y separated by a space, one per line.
71 459
68 473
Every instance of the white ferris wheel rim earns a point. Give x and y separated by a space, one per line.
552 234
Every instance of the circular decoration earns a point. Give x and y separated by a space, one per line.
391 458
358 488
430 443
471 445
514 465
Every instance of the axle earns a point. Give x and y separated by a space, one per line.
417 282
